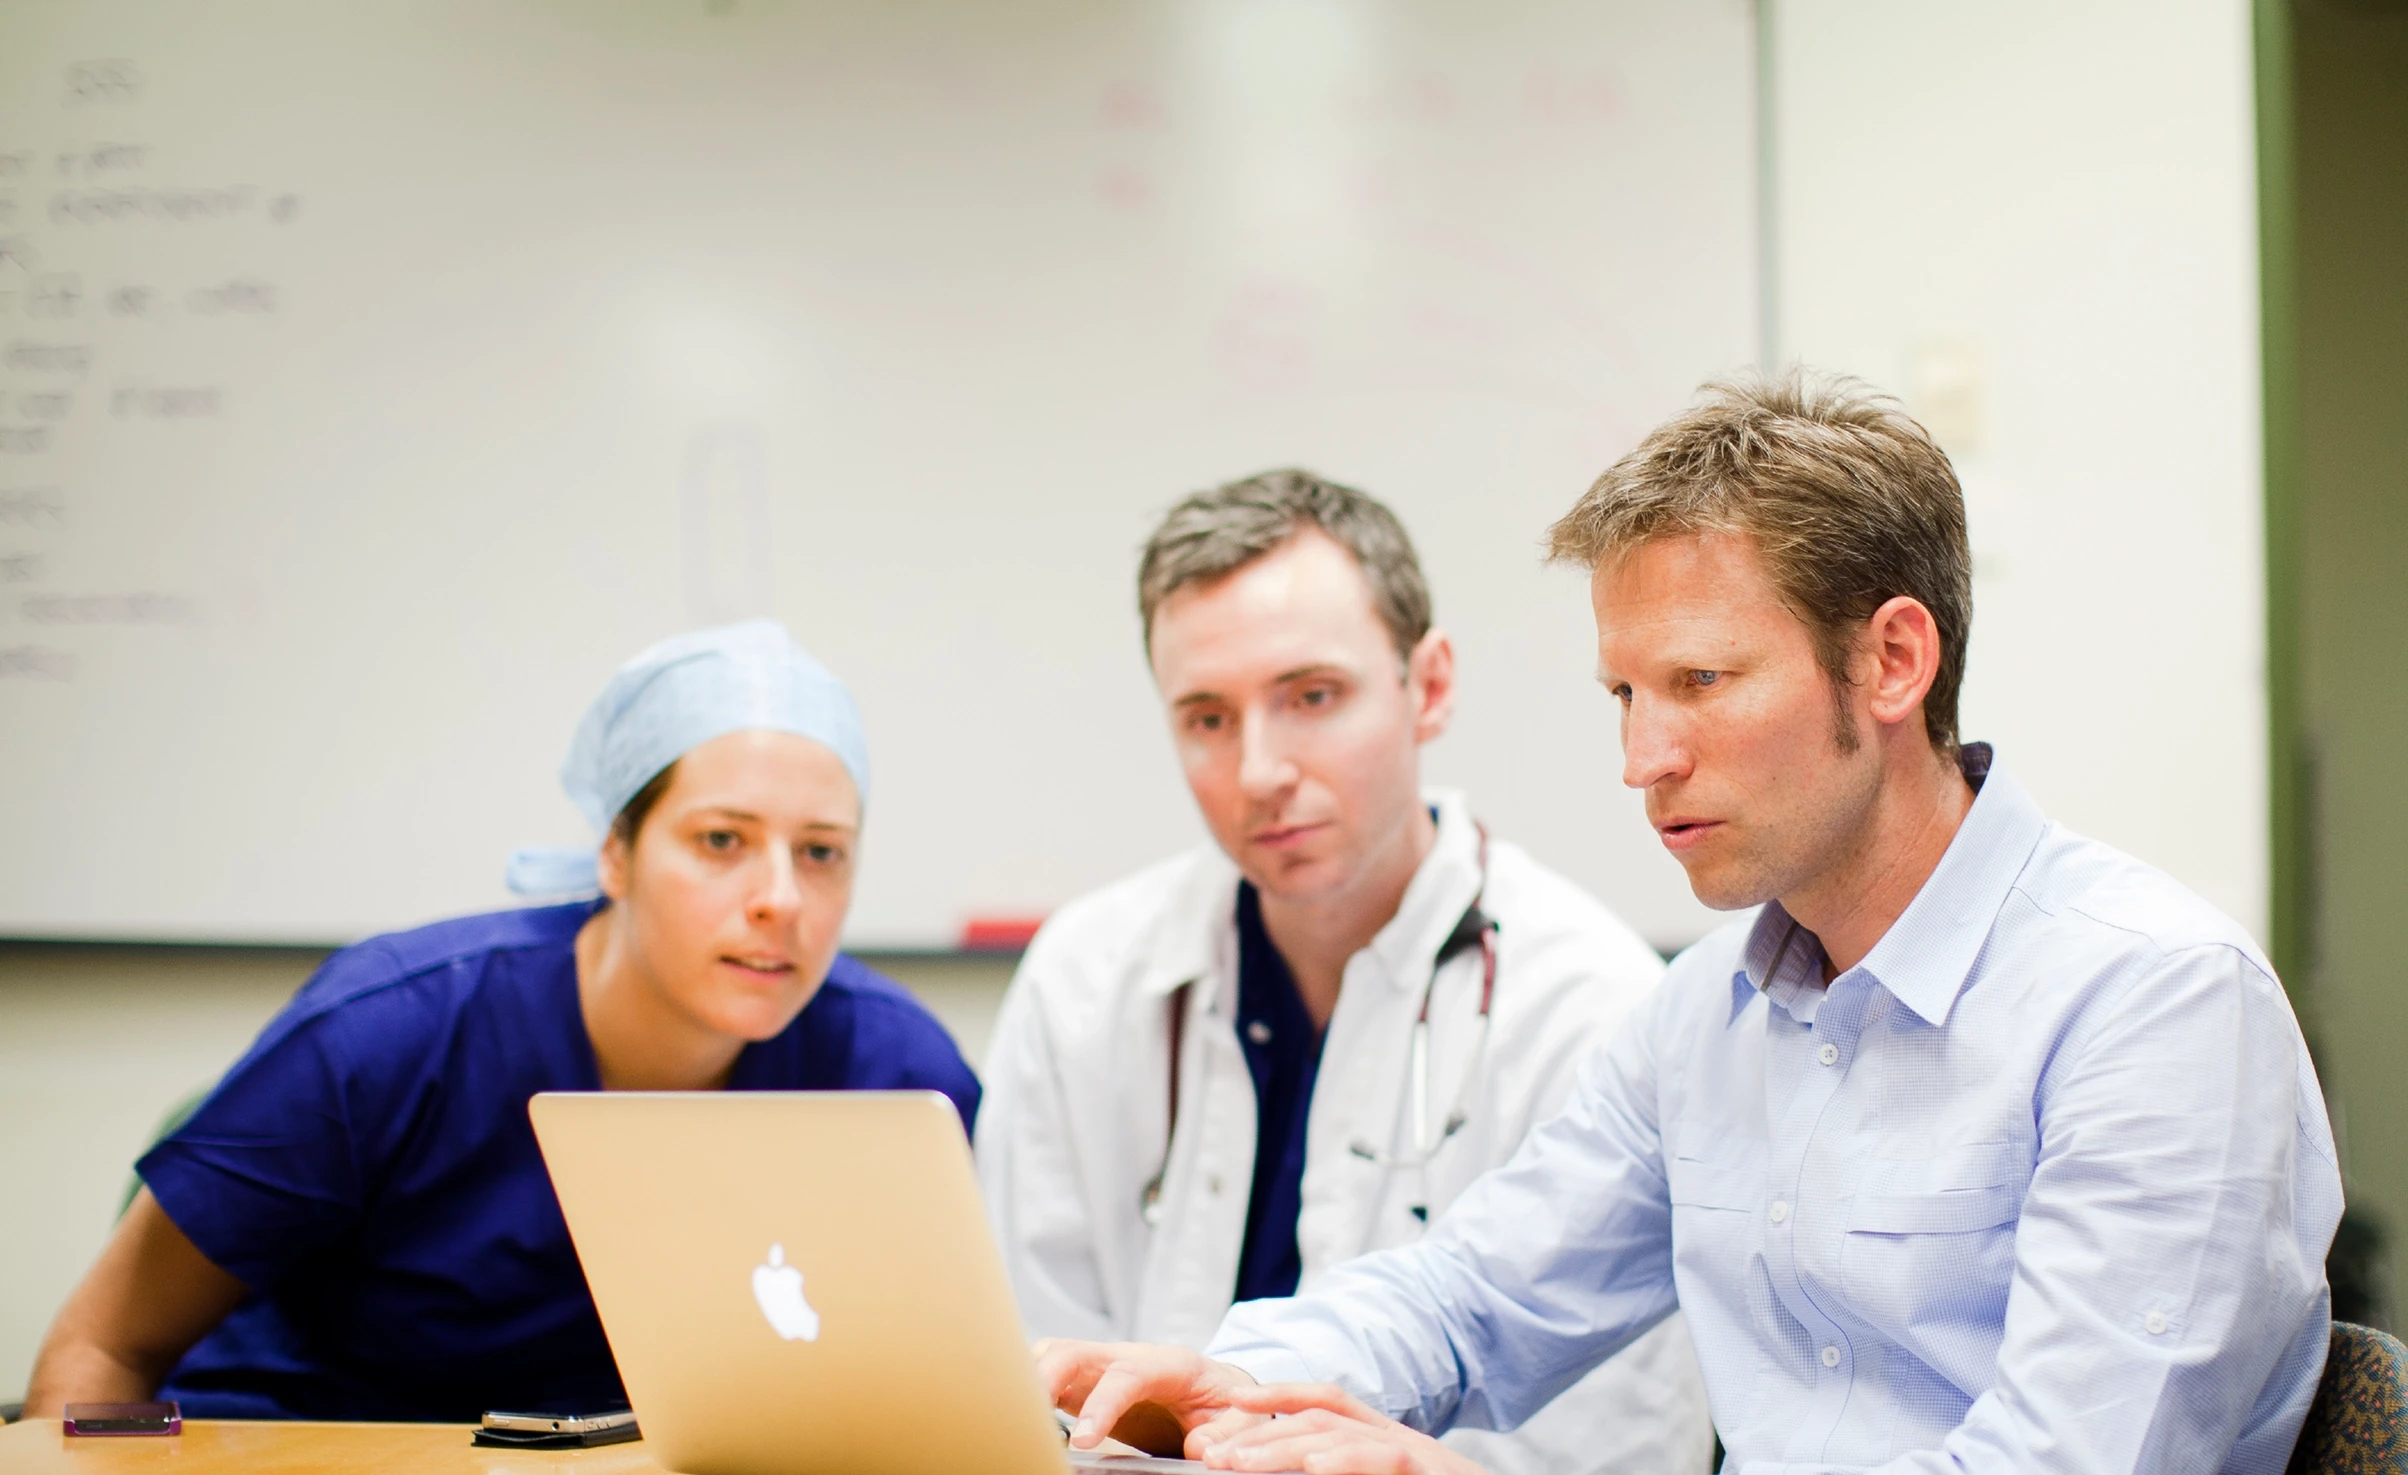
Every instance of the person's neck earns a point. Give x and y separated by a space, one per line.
1317 937
641 1042
1850 906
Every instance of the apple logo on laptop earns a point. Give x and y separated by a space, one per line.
778 1286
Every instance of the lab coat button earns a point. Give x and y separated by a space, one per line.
1213 1184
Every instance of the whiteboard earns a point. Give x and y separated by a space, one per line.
378 375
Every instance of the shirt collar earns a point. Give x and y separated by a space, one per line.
1781 961
1924 957
1199 930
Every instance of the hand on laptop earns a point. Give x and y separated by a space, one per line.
1140 1394
1321 1428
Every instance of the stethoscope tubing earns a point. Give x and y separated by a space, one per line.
1425 1146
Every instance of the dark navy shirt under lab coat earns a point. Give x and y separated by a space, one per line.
368 1169
1283 1053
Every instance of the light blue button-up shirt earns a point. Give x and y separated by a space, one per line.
2043 1184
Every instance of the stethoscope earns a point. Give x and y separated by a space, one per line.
1475 928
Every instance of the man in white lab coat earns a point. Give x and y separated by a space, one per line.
1217 1078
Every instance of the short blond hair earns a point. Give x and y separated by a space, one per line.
1850 502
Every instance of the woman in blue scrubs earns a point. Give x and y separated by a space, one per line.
357 1223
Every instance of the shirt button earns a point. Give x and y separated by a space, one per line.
1831 1357
1781 1212
1829 1055
2156 1323
1258 1032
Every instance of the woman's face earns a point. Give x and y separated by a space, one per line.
735 888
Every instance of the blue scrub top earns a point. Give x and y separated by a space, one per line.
369 1170
1283 1054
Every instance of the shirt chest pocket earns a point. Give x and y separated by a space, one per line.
1934 1238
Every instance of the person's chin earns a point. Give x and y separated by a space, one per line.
1720 884
756 1019
1299 878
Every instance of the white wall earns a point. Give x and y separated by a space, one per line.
2037 221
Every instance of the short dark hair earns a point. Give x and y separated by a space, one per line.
631 816
1212 535
1850 502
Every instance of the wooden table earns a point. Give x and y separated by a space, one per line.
236 1447
209 1446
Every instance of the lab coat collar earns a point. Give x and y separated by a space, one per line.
1446 883
1196 937
1924 957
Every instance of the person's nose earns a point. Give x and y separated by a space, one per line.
1653 746
1264 768
777 894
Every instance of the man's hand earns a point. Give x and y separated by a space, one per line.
1140 1394
1320 1429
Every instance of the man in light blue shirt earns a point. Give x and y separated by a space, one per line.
1979 1146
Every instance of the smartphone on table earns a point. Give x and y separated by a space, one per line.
124 1418
559 1431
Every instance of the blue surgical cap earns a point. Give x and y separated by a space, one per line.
672 699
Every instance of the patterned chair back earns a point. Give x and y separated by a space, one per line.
2359 1422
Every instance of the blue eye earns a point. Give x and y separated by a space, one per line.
1705 678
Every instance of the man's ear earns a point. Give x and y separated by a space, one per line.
1430 680
611 863
1903 646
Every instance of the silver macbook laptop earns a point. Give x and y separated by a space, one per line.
802 1283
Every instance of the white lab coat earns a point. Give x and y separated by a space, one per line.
1077 1108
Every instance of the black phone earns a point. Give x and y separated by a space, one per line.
124 1418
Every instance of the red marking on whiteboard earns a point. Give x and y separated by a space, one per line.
998 934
